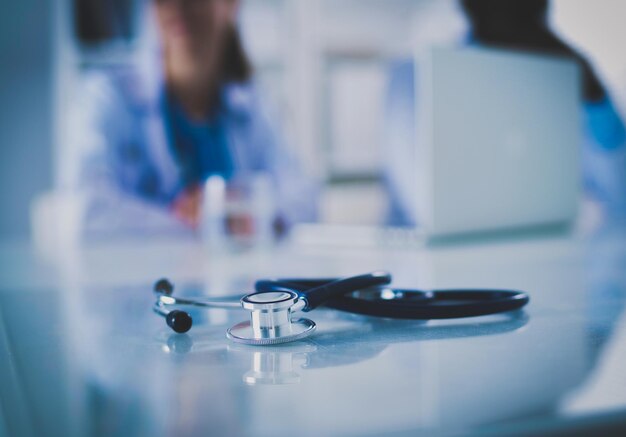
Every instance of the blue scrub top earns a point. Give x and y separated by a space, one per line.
135 152
604 125
200 148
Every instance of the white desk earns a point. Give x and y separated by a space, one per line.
81 352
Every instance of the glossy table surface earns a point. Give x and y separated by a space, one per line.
81 352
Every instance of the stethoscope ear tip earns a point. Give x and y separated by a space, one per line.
164 286
179 321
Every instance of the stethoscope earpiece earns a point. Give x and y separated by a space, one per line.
164 286
179 321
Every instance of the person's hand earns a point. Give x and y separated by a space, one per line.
187 207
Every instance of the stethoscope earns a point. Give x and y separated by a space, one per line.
273 303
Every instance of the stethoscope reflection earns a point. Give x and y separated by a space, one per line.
178 344
348 343
275 365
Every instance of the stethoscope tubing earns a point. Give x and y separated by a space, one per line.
422 305
436 304
439 304
323 291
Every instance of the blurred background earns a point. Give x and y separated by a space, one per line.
321 66
350 122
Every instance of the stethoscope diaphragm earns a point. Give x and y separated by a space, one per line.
244 333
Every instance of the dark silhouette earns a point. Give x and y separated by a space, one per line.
522 25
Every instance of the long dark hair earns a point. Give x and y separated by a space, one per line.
522 25
236 66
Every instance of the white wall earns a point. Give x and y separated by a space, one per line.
598 29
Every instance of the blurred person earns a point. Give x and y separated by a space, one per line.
522 25
147 136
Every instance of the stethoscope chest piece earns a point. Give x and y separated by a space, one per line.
270 320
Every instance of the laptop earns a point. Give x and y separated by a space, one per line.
478 143
483 140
